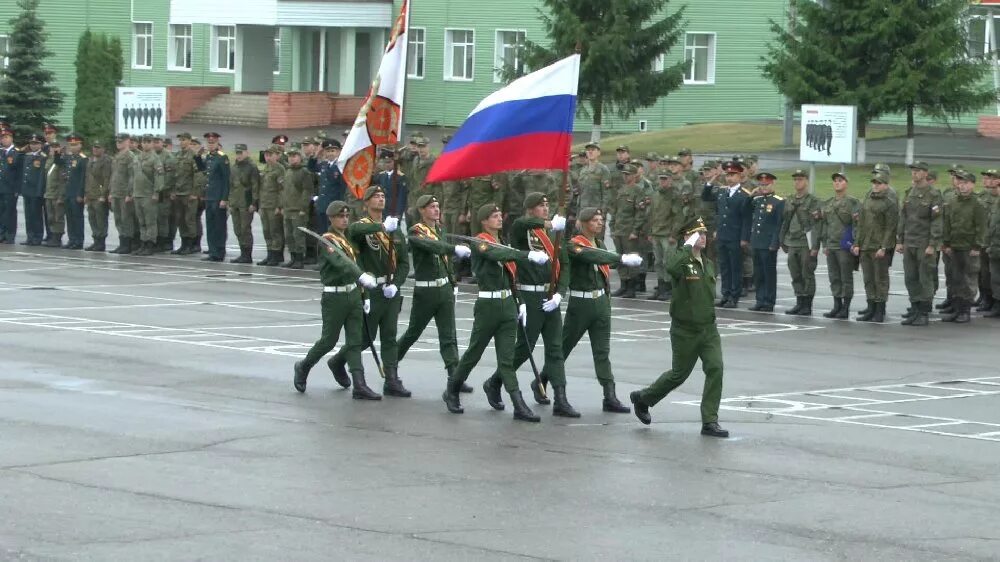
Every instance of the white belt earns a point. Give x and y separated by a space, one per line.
587 294
435 283
534 288
339 289
494 294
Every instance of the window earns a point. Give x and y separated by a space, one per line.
415 51
508 53
4 52
658 63
142 45
277 52
979 42
224 48
459 54
179 50
699 52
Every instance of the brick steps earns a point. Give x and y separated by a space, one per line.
249 110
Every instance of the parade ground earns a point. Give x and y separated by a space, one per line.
147 413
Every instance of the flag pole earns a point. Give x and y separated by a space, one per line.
556 243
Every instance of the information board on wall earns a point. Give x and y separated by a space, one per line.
141 111
829 133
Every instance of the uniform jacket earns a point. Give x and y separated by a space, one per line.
10 168
876 227
33 174
920 218
765 229
732 212
76 175
801 217
216 167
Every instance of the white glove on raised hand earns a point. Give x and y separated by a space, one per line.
390 291
553 303
390 224
558 223
692 240
367 306
540 258
367 281
522 314
462 251
631 260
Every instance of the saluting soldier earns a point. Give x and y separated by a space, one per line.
271 182
10 169
765 237
147 192
244 195
873 243
666 218
963 238
988 197
537 289
342 302
33 168
800 240
96 194
122 205
496 316
297 192
836 231
434 289
56 175
587 271
693 334
918 238
629 215
76 163
215 164
733 234
381 254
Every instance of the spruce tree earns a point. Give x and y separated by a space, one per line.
96 72
28 95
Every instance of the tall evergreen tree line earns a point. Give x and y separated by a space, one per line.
98 72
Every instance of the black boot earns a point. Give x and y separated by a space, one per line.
656 292
361 390
995 311
867 314
611 403
845 309
540 396
955 311
630 286
451 399
946 303
244 257
639 407
144 249
310 257
562 407
622 289
920 318
276 258
297 262
55 241
267 260
393 386
666 293
521 410
985 304
807 306
183 248
97 246
952 307
869 308
122 242
910 310
798 306
492 387
640 283
301 374
713 429
879 315
979 301
838 303
337 365
166 245
964 307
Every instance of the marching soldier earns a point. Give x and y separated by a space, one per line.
96 195
765 235
33 169
76 179
537 291
381 254
434 289
165 200
800 240
10 168
666 218
122 205
147 192
629 215
988 197
733 234
56 175
589 310
873 243
215 164
244 195
963 238
693 334
497 314
918 238
342 302
837 219
297 191
271 182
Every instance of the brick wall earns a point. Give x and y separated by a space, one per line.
989 126
182 100
297 110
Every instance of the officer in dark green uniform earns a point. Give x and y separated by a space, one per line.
215 164
963 238
536 288
586 267
76 162
341 305
381 254
496 316
434 289
693 334
873 243
765 232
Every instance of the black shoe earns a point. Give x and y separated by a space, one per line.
144 249
721 303
985 304
867 314
713 429
301 374
869 308
963 316
920 318
795 309
267 260
54 242
730 304
337 367
641 410
946 303
758 307
393 386
994 312
182 249
540 396
630 287
244 257
611 403
807 306
879 315
361 390
213 259
521 410
837 304
910 311
845 309
465 389
950 309
451 399
122 242
492 387
562 407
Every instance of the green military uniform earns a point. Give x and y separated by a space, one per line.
919 228
629 209
964 235
594 184
164 216
418 170
56 176
96 194
800 240
149 186
244 193
185 203
299 186
837 215
668 214
200 188
272 180
481 191
875 238
454 202
993 250
122 182
988 198
693 336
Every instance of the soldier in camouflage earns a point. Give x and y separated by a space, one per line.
800 240
918 238
630 214
963 238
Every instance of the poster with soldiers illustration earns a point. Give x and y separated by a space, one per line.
829 134
141 111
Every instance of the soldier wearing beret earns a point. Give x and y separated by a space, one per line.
838 217
873 244
382 253
963 238
215 164
76 165
272 180
693 334
765 233
298 187
918 238
343 304
800 240
733 220
244 198
33 167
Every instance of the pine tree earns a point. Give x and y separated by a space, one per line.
619 42
28 95
97 73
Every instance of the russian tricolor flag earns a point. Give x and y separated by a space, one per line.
527 125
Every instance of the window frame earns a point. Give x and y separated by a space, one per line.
5 59
449 46
135 45
172 49
276 63
497 51
410 51
214 50
712 49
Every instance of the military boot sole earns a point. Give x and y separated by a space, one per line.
396 392
615 408
524 416
365 394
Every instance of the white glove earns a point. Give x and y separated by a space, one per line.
462 251
541 258
390 291
553 303
558 223
315 198
693 239
367 306
456 292
367 281
631 260
522 314
390 224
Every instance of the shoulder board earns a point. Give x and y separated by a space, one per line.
329 236
778 197
758 197
82 155
745 190
367 220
